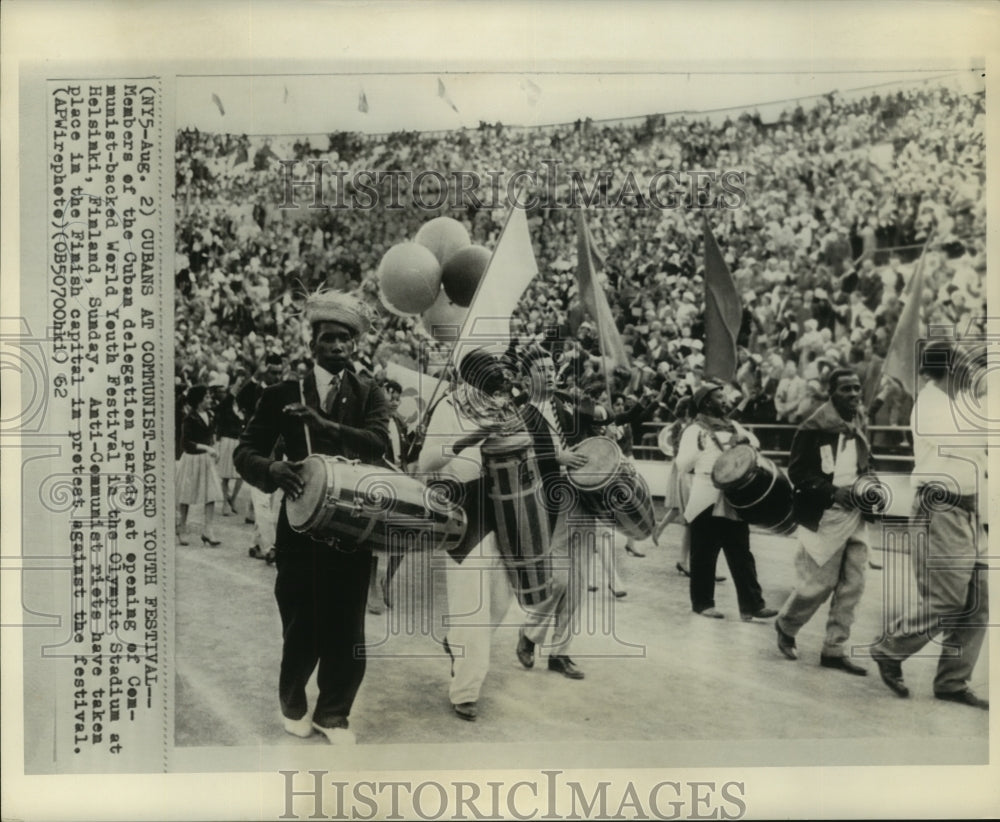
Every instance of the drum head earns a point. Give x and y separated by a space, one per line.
604 458
734 465
511 443
313 473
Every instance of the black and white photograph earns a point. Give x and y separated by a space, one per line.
409 427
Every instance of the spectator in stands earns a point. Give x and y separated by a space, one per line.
790 393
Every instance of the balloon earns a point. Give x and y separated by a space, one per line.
443 236
461 274
388 306
444 319
409 278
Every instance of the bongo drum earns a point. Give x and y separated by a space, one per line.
354 504
756 488
611 488
514 485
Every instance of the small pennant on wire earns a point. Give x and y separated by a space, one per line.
443 94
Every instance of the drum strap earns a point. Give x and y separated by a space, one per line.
715 439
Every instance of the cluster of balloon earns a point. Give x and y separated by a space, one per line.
434 276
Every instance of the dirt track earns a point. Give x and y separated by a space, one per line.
654 671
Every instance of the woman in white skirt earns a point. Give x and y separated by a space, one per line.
197 478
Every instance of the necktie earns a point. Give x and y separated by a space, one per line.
552 417
331 394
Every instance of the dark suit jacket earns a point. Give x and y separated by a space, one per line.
248 395
814 486
544 442
361 408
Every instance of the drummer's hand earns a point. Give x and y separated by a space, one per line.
844 497
308 415
571 459
286 477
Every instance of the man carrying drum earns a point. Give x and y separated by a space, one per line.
714 525
321 587
830 451
478 585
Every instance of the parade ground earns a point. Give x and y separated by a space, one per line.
655 671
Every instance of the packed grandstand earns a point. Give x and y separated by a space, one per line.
838 197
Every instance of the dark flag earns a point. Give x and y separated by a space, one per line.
593 299
723 312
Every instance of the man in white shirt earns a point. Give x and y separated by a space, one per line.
950 566
713 525
478 585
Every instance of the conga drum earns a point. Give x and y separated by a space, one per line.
514 485
611 488
756 488
354 504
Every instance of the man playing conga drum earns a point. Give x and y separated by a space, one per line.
321 587
829 452
553 428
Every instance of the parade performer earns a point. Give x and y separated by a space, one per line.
830 451
949 465
714 526
554 426
321 590
478 585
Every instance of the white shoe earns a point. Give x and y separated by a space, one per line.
337 736
298 727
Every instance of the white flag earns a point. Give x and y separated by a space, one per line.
507 275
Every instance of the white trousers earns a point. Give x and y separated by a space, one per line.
479 596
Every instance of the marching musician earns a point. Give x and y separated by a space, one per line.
479 589
553 428
830 451
714 526
321 587
949 472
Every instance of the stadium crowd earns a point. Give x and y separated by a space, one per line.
841 195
